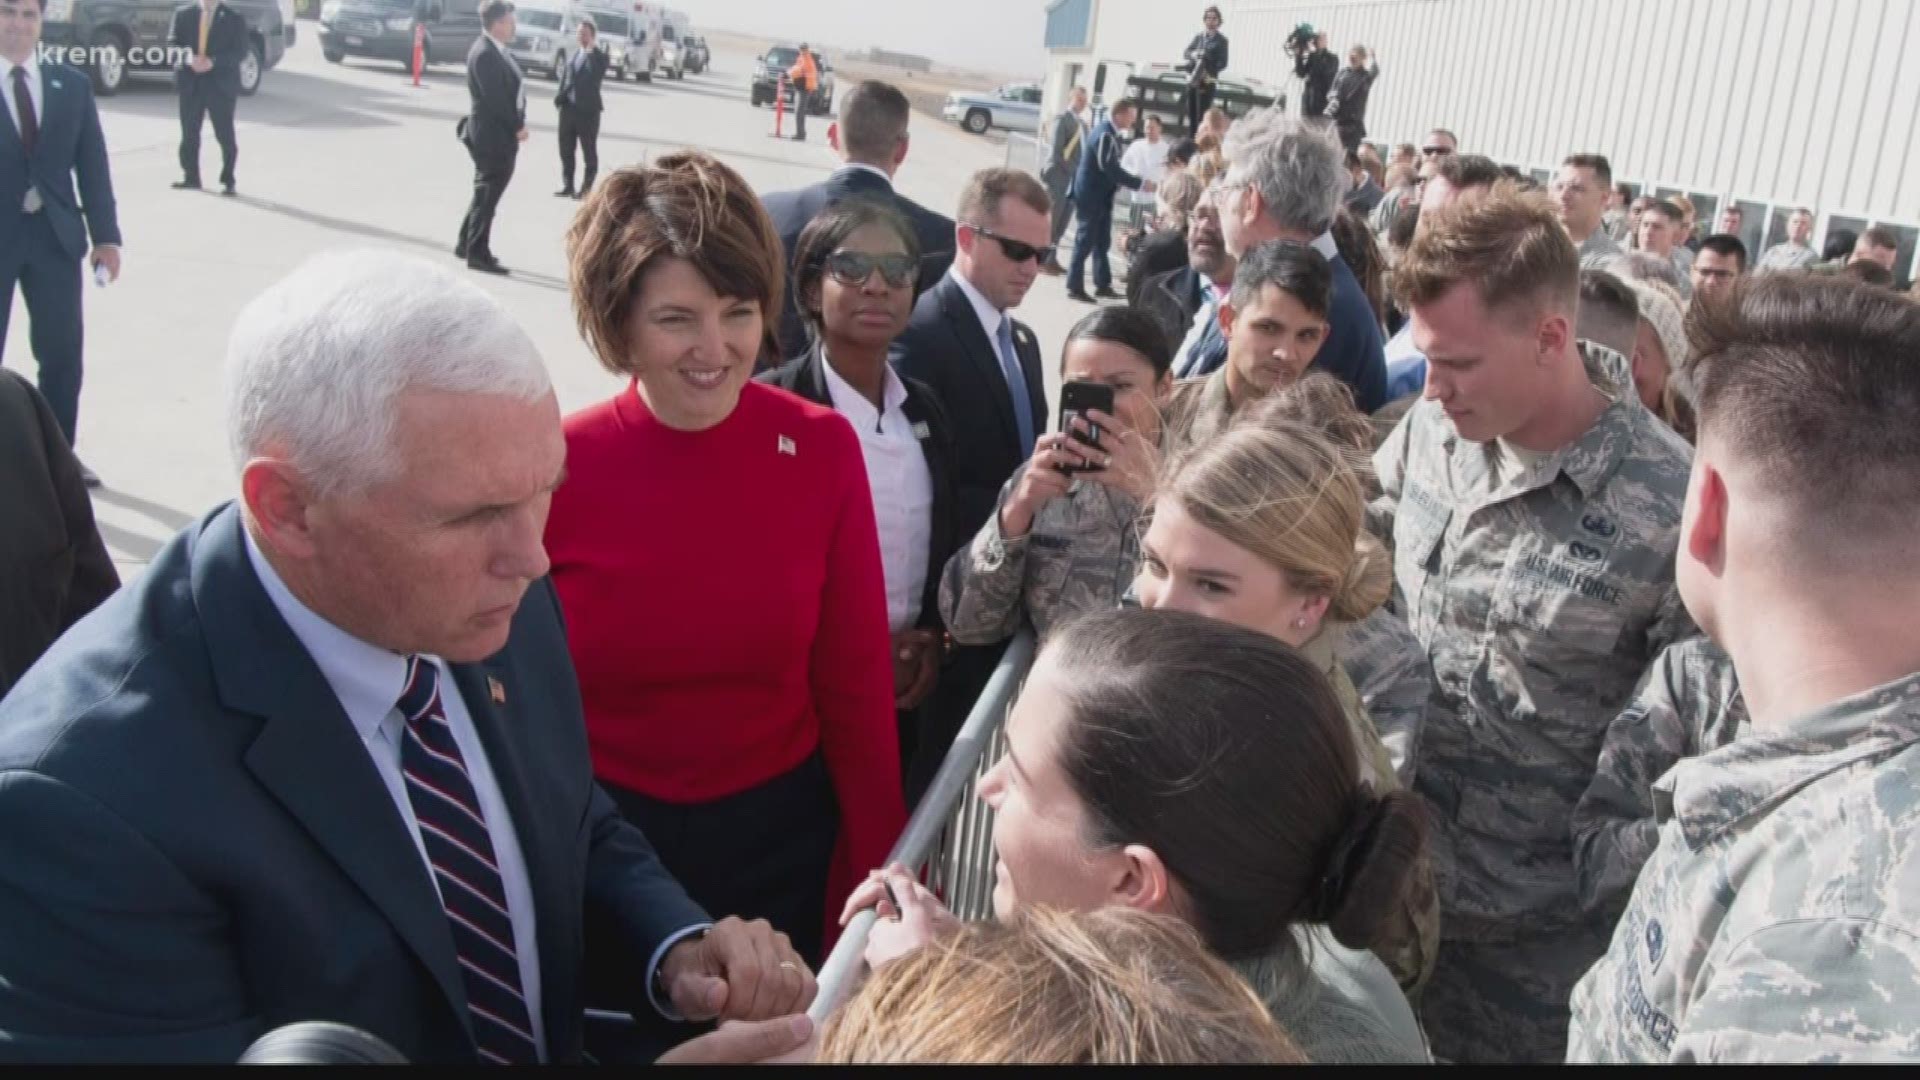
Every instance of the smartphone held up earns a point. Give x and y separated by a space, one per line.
1076 400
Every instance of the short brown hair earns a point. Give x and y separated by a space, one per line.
1597 164
1812 378
980 200
686 205
873 120
1113 986
1509 243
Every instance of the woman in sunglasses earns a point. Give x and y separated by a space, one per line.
854 268
714 550
1062 539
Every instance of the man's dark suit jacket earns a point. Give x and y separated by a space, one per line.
1318 69
1173 298
70 147
195 846
494 122
1212 50
792 211
946 348
226 46
580 88
806 376
54 568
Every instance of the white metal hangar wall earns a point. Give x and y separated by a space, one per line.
1772 103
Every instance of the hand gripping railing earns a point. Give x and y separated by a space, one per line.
950 834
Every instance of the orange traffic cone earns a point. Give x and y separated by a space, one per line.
419 51
779 104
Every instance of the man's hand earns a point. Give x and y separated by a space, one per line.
741 1042
108 255
738 971
201 64
916 666
521 135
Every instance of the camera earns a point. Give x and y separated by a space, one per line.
1301 40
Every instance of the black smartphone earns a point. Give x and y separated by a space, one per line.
1076 399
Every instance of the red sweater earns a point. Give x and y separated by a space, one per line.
725 608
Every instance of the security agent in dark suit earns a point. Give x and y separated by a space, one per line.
326 758
1206 58
871 138
1069 134
1098 180
493 130
54 568
50 140
846 368
578 100
984 367
208 83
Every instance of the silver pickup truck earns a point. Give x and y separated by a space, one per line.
1013 107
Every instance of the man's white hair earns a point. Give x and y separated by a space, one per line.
317 362
1298 167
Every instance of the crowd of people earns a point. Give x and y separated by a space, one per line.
1463 637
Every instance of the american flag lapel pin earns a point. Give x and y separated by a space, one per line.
496 691
786 446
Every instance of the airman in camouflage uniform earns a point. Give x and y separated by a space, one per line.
1197 410
1080 555
1389 668
1779 919
1542 591
1689 704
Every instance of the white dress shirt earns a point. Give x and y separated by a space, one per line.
38 97
902 487
367 680
1148 161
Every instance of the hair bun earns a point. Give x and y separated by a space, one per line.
1368 867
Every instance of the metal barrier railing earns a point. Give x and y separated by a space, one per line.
1026 152
950 834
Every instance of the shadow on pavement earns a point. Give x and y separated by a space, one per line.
346 225
127 545
173 520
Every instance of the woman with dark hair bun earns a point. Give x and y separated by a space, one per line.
1173 763
1063 539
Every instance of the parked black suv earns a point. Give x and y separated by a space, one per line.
383 29
130 37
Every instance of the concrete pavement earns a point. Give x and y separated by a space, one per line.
352 155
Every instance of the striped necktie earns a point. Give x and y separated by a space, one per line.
468 875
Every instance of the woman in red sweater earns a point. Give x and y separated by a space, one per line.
715 553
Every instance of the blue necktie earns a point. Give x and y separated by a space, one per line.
1016 386
460 848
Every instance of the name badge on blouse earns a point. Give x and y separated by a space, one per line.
921 430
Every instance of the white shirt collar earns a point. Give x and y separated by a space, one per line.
990 316
1324 245
367 679
852 404
32 67
861 166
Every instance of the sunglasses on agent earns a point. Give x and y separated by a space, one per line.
1017 250
853 268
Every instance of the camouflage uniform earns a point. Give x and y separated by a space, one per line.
1541 595
1410 942
1389 668
1198 409
1690 704
1080 554
1779 919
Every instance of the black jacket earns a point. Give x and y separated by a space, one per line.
226 46
792 211
1209 51
1317 68
54 568
580 87
1173 299
946 348
806 376
496 117
1157 253
1347 105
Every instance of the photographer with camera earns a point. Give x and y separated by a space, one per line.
1314 63
1206 58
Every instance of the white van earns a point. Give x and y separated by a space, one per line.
546 36
613 19
673 54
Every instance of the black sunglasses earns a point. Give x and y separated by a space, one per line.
1436 151
1017 250
853 268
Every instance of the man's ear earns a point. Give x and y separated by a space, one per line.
280 505
1706 535
1226 315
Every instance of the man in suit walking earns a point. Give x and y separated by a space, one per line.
49 142
871 139
580 106
1099 178
326 758
493 130
984 367
1063 159
1206 58
54 568
208 83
